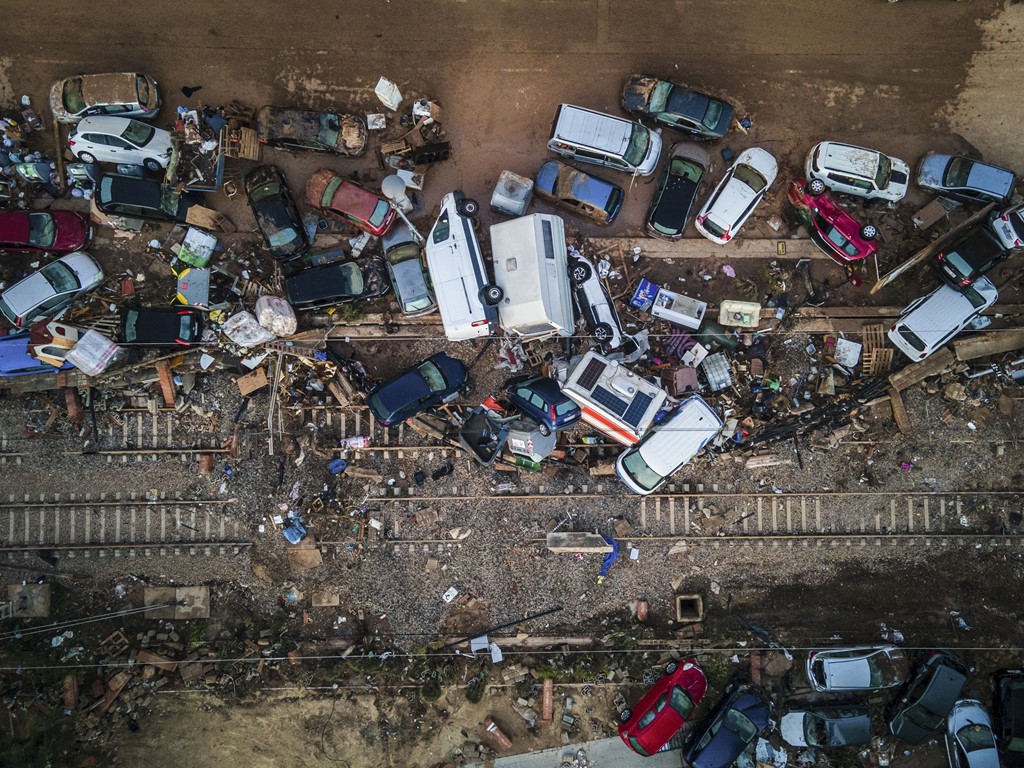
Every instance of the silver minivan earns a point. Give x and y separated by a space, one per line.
594 137
466 299
668 446
931 321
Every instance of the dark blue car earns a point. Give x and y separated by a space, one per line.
729 729
543 401
434 381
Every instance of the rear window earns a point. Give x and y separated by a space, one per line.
561 409
131 322
911 338
976 299
380 213
713 228
8 312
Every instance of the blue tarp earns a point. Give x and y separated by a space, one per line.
610 558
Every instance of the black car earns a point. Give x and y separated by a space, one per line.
1008 707
681 183
927 698
161 327
676 107
729 729
304 129
140 198
436 380
969 257
275 212
337 283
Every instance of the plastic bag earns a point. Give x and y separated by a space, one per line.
276 315
244 329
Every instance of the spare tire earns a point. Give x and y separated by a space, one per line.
468 207
491 295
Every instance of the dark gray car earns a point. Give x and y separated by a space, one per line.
836 726
965 179
927 698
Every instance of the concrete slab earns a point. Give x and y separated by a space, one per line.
31 601
603 753
193 602
326 599
304 555
156 596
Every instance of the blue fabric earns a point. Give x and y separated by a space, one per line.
610 558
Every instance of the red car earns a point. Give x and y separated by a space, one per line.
57 232
367 210
831 228
664 709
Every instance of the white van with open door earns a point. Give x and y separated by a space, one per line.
466 299
531 268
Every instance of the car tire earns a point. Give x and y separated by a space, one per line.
152 165
625 715
580 272
815 187
544 428
468 208
85 157
491 295
602 332
869 232
671 667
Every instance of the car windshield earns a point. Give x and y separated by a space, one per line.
836 237
740 724
441 229
976 736
884 168
642 474
60 277
329 130
911 338
1016 744
138 133
638 143
42 229
432 375
185 327
750 177
142 89
659 97
681 702
713 115
957 171
72 94
380 212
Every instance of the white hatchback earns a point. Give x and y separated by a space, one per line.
120 140
737 195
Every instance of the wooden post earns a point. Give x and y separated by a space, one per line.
163 370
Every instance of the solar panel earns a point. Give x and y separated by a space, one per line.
637 409
591 373
610 400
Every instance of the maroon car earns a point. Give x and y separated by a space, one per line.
56 232
832 229
664 709
330 193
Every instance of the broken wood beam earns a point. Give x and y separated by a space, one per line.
163 372
899 412
991 343
912 374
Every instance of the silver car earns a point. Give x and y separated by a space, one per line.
970 742
857 668
50 289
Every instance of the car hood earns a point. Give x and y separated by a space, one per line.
72 231
848 731
792 729
637 93
932 170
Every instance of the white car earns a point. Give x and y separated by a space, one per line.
931 322
120 140
970 742
594 304
737 195
1008 225
50 289
852 170
857 668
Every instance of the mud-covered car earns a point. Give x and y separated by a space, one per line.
681 182
309 131
965 179
50 289
121 94
677 107
274 209
407 267
928 698
330 193
732 725
836 233
337 283
54 231
579 192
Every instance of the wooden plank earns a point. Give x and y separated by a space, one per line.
899 412
571 542
991 343
916 372
163 372
547 705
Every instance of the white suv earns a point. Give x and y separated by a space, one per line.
857 171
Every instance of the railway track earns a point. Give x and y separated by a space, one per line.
117 525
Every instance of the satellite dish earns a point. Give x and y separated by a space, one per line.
393 188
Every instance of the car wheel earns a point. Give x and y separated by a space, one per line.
85 157
544 428
602 332
468 208
671 667
625 715
580 272
869 232
815 187
151 164
491 295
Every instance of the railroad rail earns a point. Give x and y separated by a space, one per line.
117 525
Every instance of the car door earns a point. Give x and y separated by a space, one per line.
97 144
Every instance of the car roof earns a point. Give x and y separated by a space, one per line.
929 320
106 124
593 129
109 88
14 226
319 283
991 178
132 190
978 246
354 199
849 158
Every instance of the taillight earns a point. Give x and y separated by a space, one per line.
478 323
1017 243
940 257
727 237
701 219
922 356
552 414
1004 217
965 281
71 142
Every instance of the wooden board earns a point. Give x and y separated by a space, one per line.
252 382
577 542
916 372
899 412
991 343
209 219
